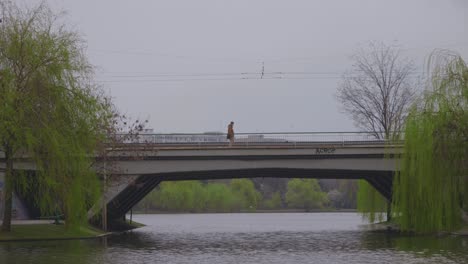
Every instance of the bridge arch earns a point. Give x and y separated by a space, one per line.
376 164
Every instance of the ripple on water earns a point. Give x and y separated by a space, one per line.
245 238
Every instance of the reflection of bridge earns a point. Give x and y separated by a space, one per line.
141 165
137 166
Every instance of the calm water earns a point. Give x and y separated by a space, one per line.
245 238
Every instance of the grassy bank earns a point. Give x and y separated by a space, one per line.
48 232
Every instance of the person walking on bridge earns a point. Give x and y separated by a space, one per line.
230 133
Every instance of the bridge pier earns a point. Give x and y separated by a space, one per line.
374 163
383 184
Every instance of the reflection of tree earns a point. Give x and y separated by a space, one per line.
450 247
47 252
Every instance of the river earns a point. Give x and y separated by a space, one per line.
245 238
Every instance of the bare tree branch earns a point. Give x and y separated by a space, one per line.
378 92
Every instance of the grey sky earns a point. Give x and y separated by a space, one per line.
136 43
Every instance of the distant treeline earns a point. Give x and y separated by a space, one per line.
248 195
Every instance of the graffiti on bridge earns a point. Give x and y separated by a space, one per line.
325 150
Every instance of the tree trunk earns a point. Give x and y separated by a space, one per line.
389 211
8 192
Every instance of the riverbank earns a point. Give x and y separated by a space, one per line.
392 227
33 232
37 230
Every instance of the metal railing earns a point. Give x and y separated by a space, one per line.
275 138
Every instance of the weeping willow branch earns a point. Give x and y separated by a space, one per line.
51 111
431 188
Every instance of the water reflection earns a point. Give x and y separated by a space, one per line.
74 252
291 238
452 247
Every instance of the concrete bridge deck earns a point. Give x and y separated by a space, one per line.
134 168
138 169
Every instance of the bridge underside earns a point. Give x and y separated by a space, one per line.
137 169
117 208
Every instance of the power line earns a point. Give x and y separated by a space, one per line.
243 74
220 79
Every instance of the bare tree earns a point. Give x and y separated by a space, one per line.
378 92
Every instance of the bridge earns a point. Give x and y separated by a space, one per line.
137 166
140 165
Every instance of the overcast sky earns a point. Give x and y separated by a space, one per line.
152 54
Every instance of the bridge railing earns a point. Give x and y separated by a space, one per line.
275 138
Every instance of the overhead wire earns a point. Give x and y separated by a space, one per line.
115 77
218 79
279 75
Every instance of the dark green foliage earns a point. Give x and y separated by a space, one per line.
274 202
432 186
268 186
220 198
245 188
192 196
237 195
185 195
305 194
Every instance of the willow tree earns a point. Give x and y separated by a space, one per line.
431 189
377 94
50 112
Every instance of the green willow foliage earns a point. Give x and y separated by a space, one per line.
51 111
432 186
370 203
